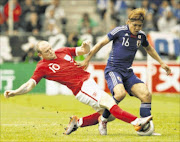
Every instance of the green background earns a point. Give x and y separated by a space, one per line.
22 73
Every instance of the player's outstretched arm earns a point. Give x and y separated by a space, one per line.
152 52
93 51
84 48
25 88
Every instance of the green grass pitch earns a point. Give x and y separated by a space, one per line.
37 117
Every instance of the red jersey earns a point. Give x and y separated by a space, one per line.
62 70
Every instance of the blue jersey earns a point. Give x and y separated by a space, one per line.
124 48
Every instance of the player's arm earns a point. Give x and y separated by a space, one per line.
93 51
152 52
25 88
84 48
97 47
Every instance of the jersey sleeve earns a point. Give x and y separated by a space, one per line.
114 33
145 42
70 50
38 74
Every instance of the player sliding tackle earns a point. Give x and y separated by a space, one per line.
60 66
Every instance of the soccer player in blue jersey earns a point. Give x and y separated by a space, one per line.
118 72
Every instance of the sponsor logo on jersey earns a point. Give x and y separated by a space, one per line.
68 58
119 79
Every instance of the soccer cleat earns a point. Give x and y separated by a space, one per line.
141 122
72 125
102 126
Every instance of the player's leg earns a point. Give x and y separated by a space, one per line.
92 95
115 84
118 95
89 120
85 121
140 90
107 102
117 89
137 88
86 96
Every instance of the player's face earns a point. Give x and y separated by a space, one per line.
135 27
47 53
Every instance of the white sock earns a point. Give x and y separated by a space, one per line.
135 121
79 122
103 119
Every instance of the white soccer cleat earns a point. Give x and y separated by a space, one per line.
72 125
102 126
142 122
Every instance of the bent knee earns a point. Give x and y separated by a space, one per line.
106 101
120 95
119 92
146 97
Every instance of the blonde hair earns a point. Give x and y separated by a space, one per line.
37 47
41 44
137 14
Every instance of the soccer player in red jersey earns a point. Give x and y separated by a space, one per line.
60 66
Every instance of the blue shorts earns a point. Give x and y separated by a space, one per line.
114 78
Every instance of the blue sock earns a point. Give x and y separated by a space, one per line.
106 112
145 109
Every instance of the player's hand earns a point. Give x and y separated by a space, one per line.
84 64
166 68
86 44
9 93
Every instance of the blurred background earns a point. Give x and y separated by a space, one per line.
68 22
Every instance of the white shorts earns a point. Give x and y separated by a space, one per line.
91 94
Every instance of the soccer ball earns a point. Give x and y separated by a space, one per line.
147 130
